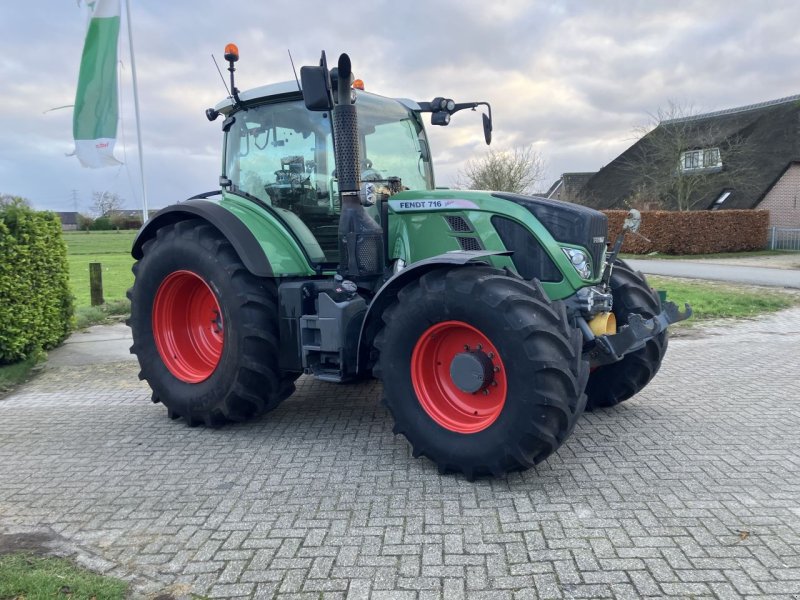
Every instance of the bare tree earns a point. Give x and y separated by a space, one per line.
683 159
103 203
517 171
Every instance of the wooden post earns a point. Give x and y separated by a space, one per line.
96 283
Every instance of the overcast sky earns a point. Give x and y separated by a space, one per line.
572 78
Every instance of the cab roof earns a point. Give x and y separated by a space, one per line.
285 88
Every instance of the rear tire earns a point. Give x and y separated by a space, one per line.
205 330
611 384
523 414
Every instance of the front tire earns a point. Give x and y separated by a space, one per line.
611 384
481 372
205 330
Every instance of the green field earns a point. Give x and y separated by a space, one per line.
112 249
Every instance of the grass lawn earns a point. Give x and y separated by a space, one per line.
29 577
712 300
14 374
112 249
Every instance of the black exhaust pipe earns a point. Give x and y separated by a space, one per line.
360 237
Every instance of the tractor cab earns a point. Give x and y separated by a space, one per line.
279 152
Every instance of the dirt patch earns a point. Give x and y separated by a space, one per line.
37 543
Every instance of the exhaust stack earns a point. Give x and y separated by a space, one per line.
360 237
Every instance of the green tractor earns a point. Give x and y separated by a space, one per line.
492 319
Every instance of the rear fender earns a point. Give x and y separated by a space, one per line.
242 239
388 292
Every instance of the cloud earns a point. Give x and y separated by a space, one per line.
573 78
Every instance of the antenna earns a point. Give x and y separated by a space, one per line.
299 89
221 76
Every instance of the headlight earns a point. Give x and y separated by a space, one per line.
580 261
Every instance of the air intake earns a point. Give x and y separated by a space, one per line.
469 243
458 224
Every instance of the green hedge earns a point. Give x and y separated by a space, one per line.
693 231
35 300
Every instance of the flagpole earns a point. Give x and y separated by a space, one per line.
136 110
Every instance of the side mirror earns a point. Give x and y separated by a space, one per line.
633 221
487 129
316 83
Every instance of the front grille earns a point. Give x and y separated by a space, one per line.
529 258
469 243
598 230
458 224
568 223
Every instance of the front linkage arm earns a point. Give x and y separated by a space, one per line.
612 348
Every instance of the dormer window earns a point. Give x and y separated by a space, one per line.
722 197
695 160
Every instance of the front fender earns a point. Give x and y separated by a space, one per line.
388 292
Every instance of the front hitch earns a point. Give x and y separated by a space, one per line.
634 335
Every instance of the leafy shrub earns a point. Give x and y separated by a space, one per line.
101 224
35 300
85 222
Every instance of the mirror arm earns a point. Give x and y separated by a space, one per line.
632 223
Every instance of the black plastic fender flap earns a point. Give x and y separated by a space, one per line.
388 292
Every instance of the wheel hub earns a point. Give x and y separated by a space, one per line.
458 377
472 371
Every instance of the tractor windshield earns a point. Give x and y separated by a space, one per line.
393 143
283 154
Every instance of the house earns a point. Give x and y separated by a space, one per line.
69 220
568 186
740 158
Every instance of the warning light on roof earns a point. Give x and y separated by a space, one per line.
231 53
358 84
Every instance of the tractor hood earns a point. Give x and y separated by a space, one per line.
568 223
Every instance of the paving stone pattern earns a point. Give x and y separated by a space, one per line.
689 490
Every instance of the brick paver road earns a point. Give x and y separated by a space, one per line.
690 490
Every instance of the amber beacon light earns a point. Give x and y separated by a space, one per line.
231 53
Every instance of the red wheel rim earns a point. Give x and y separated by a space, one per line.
440 397
187 326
